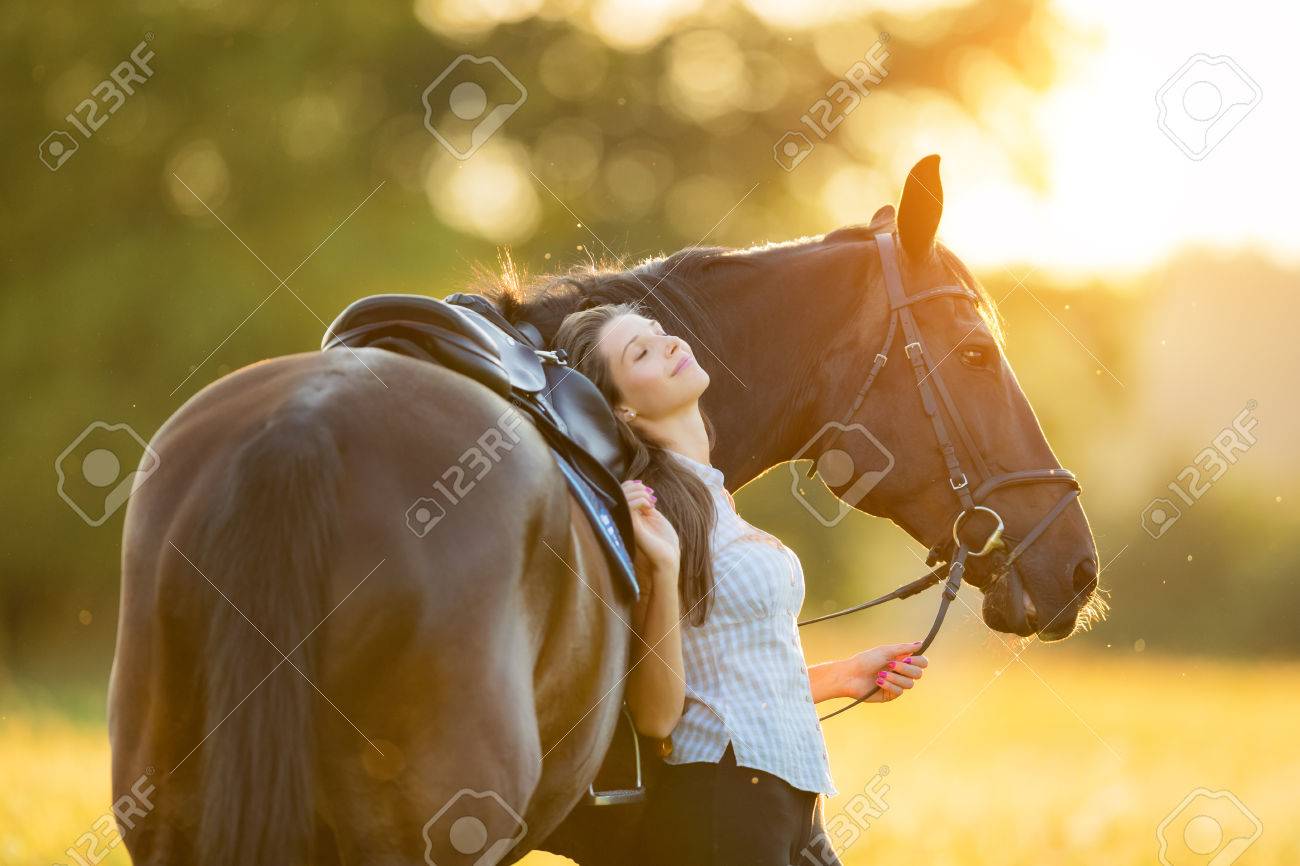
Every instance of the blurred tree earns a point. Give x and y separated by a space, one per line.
287 141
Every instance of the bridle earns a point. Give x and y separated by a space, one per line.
929 382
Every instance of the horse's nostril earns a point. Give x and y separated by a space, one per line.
1085 576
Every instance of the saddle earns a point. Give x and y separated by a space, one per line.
467 334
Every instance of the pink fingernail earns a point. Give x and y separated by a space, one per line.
893 665
907 661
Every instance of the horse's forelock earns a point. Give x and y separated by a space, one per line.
985 304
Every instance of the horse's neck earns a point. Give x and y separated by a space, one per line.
769 410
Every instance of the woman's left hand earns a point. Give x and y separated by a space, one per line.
891 666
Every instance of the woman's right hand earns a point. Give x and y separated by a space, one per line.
657 546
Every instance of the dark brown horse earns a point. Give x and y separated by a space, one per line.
309 677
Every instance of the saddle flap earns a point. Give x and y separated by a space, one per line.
588 418
516 343
518 358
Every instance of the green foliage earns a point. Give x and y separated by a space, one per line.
123 294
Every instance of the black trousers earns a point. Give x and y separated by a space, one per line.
705 814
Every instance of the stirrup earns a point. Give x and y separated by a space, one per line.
621 796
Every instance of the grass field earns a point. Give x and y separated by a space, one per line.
1050 759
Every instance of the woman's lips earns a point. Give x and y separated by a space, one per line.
686 359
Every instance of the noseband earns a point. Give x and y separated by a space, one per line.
929 383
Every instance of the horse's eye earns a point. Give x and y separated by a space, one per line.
973 356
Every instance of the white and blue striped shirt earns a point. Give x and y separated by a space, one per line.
746 678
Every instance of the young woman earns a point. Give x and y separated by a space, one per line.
729 692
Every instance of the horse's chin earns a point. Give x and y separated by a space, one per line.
1008 607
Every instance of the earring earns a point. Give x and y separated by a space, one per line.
630 413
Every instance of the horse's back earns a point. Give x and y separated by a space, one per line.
390 520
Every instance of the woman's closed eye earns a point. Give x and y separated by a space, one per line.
644 351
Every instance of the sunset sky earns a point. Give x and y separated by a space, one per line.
1117 194
1079 180
1121 193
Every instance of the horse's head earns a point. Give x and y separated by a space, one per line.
945 358
959 375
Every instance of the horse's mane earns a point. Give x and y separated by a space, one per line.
667 288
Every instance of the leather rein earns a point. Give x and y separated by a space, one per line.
929 383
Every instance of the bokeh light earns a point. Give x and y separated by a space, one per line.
491 196
197 178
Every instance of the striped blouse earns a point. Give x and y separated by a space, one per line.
746 678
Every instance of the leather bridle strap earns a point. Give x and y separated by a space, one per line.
956 569
907 590
1025 477
1039 529
914 348
929 381
876 366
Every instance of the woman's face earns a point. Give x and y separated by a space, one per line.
656 373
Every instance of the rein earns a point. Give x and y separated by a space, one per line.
928 382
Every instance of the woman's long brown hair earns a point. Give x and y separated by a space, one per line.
682 496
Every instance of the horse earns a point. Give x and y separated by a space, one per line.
305 676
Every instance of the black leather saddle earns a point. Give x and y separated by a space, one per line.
467 334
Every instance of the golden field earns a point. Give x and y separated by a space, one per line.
1053 758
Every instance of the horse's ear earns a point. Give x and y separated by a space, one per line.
886 213
921 207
